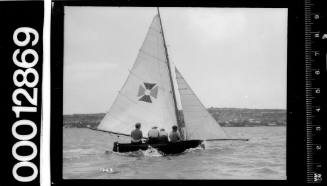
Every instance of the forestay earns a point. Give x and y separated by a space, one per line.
198 121
146 96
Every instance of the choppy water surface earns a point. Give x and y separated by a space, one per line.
88 155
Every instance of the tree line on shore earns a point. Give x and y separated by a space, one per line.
226 117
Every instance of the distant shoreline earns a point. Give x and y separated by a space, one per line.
226 117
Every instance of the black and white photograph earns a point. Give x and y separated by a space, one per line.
174 93
99 92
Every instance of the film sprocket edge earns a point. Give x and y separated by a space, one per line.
22 56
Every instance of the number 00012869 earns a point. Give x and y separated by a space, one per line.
25 78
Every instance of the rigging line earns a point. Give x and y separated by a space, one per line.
147 34
229 139
152 28
169 70
125 96
121 108
192 105
147 54
194 113
117 119
110 132
116 98
138 54
196 120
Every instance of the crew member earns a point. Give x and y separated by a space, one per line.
163 136
136 134
153 135
174 135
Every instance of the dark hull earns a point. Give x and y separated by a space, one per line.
166 148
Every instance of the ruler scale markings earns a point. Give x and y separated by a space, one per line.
308 86
312 72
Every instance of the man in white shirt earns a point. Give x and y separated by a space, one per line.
153 135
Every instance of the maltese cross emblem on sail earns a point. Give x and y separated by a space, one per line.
147 91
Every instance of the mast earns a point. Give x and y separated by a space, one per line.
170 76
132 103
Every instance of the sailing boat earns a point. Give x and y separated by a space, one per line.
156 94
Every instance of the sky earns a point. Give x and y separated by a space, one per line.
231 57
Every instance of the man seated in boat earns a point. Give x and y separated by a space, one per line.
174 135
163 136
136 134
153 135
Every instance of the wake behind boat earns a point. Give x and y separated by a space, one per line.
156 93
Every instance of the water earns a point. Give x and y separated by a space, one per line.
88 155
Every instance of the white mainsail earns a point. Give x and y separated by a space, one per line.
147 95
152 95
198 121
